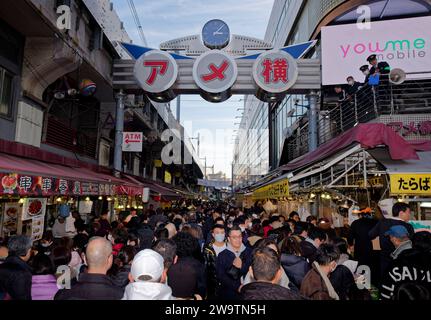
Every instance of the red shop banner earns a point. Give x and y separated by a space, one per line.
27 185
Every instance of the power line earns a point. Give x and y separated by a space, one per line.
137 21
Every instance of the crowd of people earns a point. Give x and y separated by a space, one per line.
215 251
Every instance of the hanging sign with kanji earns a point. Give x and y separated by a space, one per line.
274 72
27 185
411 184
132 141
215 72
156 71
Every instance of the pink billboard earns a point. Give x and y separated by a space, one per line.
403 43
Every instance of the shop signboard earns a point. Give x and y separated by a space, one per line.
132 141
403 43
411 184
41 186
33 207
274 190
11 215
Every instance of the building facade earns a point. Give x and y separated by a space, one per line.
45 112
286 122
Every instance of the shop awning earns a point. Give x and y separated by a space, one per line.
368 136
22 176
422 165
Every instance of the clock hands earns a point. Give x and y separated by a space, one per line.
218 31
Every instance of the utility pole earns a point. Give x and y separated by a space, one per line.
231 189
119 127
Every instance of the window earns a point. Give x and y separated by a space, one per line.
6 80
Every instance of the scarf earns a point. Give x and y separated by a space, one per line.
331 290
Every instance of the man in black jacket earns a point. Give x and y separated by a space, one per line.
409 276
95 284
309 246
15 274
266 270
358 237
401 216
232 264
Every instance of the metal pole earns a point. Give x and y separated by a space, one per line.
178 108
119 127
199 138
312 126
231 190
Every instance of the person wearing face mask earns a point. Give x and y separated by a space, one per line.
352 87
316 284
211 252
365 69
232 264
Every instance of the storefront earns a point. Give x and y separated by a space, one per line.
32 193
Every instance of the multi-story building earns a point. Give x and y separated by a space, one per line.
44 113
287 122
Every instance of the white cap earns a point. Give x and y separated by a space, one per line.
147 263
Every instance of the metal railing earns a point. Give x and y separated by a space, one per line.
366 105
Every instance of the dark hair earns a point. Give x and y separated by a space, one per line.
80 241
218 226
311 218
234 228
291 245
167 249
218 219
114 224
265 264
301 226
239 220
398 207
161 233
292 214
42 265
316 233
61 256
341 244
263 243
422 241
19 245
47 235
186 244
273 219
326 254
126 254
120 235
196 231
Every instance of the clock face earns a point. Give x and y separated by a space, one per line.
215 34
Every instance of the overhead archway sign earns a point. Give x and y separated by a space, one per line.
216 74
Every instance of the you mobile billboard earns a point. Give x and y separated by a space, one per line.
403 43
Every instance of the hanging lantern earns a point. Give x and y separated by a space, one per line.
87 87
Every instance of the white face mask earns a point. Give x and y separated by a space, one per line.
219 237
242 229
366 72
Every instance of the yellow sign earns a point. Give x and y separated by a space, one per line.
272 191
411 184
158 163
168 177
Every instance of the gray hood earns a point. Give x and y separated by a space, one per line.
144 290
237 254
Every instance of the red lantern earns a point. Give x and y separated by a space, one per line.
157 198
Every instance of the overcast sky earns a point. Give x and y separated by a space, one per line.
164 20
